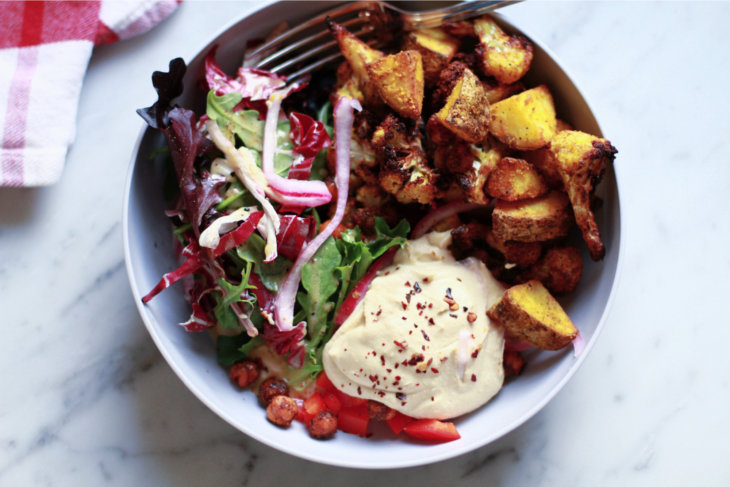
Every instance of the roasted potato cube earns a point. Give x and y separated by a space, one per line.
531 314
514 180
581 161
525 121
399 81
466 112
404 169
559 270
545 218
498 92
505 57
521 254
436 48
358 54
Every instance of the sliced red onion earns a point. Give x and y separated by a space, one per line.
285 299
287 191
438 214
578 345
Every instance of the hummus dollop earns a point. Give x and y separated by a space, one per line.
420 340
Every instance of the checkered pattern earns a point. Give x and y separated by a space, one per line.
44 50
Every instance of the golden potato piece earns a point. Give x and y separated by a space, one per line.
525 121
399 81
581 161
436 48
505 57
531 314
498 92
514 180
358 54
559 270
545 218
466 112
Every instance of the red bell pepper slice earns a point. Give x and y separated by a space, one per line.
398 422
354 420
323 382
331 402
432 430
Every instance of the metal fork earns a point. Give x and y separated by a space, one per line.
300 50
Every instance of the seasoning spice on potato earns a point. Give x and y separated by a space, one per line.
531 314
399 81
466 112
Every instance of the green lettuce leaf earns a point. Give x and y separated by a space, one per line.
243 123
271 273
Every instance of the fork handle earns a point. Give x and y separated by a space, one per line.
464 10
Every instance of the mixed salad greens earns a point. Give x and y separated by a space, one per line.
259 263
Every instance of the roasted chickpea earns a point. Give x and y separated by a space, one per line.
513 363
244 373
323 425
281 410
272 387
380 412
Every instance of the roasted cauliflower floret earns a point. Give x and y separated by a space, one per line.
468 166
581 161
505 57
404 168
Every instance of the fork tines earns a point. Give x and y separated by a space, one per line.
306 47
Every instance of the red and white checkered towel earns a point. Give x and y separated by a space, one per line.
44 50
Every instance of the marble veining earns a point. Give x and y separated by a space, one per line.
86 399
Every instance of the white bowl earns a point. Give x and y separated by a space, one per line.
148 253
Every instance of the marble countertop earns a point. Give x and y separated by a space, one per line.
88 400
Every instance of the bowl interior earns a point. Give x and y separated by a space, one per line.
148 252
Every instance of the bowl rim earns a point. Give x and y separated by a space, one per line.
427 457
